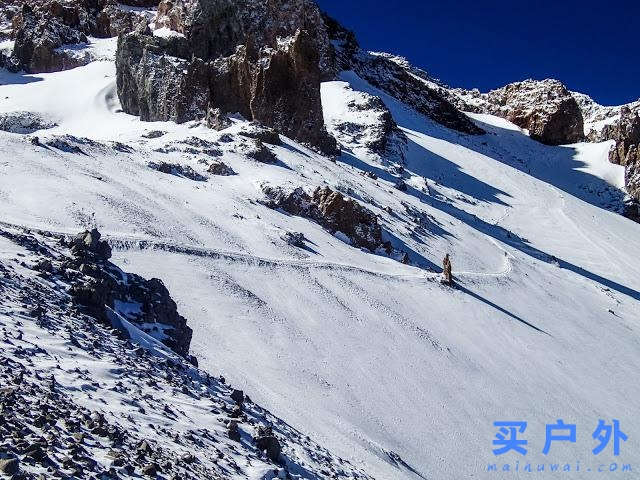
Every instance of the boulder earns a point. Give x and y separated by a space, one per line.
232 431
264 134
237 396
220 168
295 239
334 212
9 466
267 442
178 170
258 151
88 244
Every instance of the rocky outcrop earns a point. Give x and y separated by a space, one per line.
220 169
24 122
545 108
184 171
78 399
113 20
626 152
384 72
258 151
263 60
43 29
10 8
363 123
626 133
268 443
259 132
333 211
101 288
41 34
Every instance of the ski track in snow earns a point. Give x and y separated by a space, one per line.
127 243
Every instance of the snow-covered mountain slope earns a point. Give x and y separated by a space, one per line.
376 360
92 401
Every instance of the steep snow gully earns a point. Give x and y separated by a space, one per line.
374 359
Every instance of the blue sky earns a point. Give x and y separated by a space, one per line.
591 46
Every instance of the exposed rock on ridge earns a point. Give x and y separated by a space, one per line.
102 289
546 108
395 78
81 400
626 152
365 124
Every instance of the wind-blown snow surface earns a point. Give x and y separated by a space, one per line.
366 355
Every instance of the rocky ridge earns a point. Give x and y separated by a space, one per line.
626 152
621 125
546 108
84 399
395 78
555 115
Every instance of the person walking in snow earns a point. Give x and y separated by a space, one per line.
446 265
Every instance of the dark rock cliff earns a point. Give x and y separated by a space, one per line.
264 60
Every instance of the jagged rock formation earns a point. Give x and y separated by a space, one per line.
41 33
333 211
600 121
395 78
626 133
103 290
264 60
626 152
546 108
43 28
620 124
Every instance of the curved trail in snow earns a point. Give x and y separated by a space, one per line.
128 243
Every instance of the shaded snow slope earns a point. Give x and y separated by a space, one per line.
375 359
